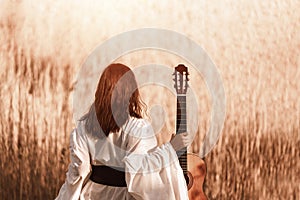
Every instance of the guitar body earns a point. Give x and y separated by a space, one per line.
193 167
196 173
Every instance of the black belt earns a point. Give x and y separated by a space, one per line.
108 176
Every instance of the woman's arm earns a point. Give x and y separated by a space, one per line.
79 167
153 173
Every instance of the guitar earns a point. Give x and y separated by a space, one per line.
194 168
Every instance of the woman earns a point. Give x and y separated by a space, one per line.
114 153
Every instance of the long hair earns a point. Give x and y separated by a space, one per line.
117 97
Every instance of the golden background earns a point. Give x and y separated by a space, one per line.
255 45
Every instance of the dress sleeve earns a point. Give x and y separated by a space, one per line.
153 173
79 167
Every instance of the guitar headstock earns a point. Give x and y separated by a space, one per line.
181 79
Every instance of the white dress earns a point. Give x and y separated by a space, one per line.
150 172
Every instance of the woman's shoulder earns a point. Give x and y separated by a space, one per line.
138 127
137 122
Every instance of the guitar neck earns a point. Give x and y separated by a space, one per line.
181 127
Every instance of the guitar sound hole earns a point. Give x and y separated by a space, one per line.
189 179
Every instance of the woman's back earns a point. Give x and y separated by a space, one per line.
113 150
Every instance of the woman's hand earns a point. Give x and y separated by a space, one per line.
179 141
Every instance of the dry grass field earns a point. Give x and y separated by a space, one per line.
255 44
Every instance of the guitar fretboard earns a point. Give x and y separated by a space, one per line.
181 127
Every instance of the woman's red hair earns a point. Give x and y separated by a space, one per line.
117 97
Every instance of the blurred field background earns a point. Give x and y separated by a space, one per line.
255 44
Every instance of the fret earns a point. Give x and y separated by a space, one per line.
182 151
182 128
181 123
178 117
